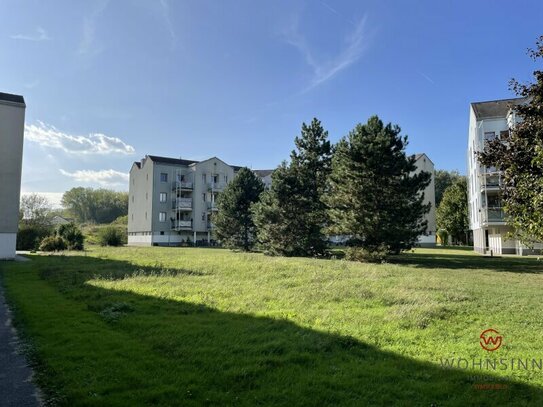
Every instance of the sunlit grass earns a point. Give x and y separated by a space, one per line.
238 328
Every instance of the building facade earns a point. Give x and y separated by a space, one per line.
423 163
488 121
172 201
12 120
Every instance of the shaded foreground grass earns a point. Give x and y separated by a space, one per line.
141 326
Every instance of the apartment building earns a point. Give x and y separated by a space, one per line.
172 201
12 120
423 163
488 121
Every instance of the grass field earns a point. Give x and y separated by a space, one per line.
170 326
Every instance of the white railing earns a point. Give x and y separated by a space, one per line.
182 185
180 224
216 185
182 203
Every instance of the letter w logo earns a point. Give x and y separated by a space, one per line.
490 340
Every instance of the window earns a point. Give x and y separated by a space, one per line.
204 178
163 196
161 233
490 135
215 179
203 216
226 179
163 177
145 214
204 197
162 217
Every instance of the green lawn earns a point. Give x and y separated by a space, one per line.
171 326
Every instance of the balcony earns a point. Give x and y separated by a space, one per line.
493 215
181 224
491 182
212 206
182 185
182 204
216 185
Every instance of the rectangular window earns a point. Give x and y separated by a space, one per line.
226 179
163 177
490 135
204 197
215 179
162 217
204 178
163 196
203 216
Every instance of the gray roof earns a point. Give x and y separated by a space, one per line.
263 173
168 160
495 108
8 97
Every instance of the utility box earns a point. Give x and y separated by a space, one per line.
12 122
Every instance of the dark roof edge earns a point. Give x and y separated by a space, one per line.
9 98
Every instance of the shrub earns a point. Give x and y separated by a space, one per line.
110 236
72 235
121 220
29 237
53 244
365 255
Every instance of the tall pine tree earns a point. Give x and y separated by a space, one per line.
373 195
291 216
234 222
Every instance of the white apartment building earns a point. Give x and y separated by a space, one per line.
172 201
490 120
12 120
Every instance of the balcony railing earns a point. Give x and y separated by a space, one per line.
212 206
181 224
493 214
182 185
182 203
216 185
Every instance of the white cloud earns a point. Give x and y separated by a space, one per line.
325 68
87 45
40 35
49 136
105 178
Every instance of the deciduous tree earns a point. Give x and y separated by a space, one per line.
519 154
452 213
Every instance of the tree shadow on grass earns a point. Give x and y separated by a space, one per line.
468 261
156 351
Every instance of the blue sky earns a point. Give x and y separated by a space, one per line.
107 82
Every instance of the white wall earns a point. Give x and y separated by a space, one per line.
7 245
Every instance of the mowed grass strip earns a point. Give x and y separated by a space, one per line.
168 326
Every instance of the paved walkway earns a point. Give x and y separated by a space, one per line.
16 387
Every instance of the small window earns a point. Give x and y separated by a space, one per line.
204 197
203 216
215 179
163 177
162 217
161 233
226 179
163 196
145 214
204 178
